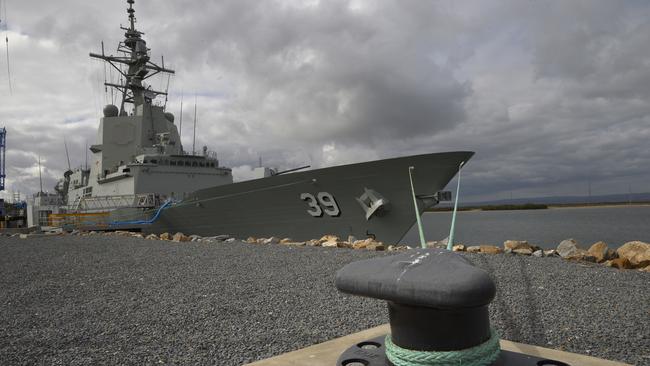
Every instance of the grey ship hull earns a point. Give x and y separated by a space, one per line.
285 205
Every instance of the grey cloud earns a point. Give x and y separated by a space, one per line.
549 94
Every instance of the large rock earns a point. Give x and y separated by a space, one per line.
620 263
152 237
343 244
517 244
538 253
473 249
313 243
645 269
458 248
601 252
567 247
329 244
637 252
271 240
523 251
437 244
550 253
361 244
491 249
180 237
165 236
251 240
329 238
581 255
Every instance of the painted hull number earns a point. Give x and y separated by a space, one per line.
323 202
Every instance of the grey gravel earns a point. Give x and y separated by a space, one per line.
74 300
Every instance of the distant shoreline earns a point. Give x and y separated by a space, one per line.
605 204
531 206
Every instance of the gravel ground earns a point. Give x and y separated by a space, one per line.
75 300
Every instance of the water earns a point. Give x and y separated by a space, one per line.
615 225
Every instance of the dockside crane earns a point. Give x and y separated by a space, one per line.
3 140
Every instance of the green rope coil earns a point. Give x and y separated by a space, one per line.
481 355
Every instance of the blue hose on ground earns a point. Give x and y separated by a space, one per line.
144 222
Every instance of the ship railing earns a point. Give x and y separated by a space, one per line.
108 203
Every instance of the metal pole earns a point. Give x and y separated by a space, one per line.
423 243
450 243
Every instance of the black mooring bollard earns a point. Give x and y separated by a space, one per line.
438 310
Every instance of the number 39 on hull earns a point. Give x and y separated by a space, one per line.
371 199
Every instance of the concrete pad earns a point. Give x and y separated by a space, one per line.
327 353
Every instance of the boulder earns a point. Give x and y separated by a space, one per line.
601 252
313 243
152 237
329 243
271 240
491 249
458 248
361 244
351 239
329 238
251 240
637 252
523 251
286 241
508 251
180 237
473 249
229 240
645 269
195 238
620 263
551 253
538 253
517 244
567 247
343 244
137 235
165 236
581 255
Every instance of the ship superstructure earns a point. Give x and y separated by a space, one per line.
138 159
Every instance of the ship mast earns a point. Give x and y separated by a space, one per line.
135 55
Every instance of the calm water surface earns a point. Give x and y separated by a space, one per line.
546 228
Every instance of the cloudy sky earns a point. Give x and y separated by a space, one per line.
552 95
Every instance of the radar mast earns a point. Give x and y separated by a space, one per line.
135 55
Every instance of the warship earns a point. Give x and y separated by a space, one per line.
140 177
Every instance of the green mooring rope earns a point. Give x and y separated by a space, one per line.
481 355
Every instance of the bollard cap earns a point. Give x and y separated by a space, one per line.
433 278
